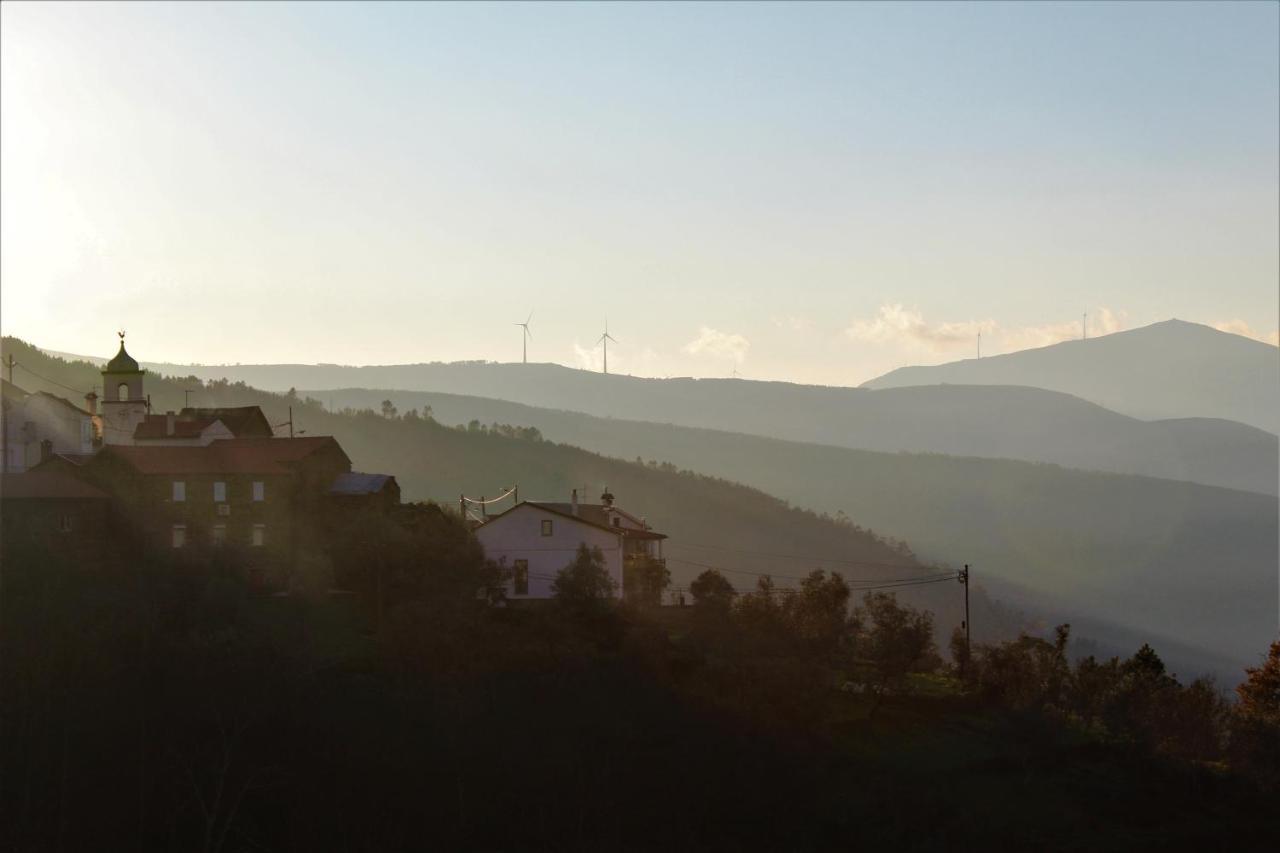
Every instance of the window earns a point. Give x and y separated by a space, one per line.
219 493
617 522
546 527
122 391
64 523
259 535
520 577
259 490
219 534
179 491
179 535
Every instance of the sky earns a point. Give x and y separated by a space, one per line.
809 192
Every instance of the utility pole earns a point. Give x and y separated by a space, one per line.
979 344
1084 326
963 577
186 398
9 363
4 422
291 422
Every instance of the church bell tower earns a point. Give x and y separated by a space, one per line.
124 406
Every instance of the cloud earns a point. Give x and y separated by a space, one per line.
904 326
896 323
718 344
1101 322
1240 327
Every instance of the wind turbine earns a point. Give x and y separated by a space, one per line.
604 339
524 340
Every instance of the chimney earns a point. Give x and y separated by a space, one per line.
46 450
91 403
607 498
168 423
574 502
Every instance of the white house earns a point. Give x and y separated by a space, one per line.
536 539
37 425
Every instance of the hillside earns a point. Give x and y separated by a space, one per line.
1172 369
1080 543
1127 551
1022 423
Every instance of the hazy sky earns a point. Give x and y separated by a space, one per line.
809 192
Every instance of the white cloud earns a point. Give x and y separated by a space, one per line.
1104 321
904 326
896 323
1240 327
718 344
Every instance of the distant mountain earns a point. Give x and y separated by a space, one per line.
1000 422
1172 369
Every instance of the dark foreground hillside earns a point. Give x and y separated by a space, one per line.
163 707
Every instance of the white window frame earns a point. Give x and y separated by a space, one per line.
259 491
178 536
179 492
219 492
548 527
258 537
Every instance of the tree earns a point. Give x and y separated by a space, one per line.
388 410
1255 725
644 580
894 639
819 613
585 583
712 594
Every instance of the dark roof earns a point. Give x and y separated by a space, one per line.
122 363
592 514
157 426
357 483
11 392
47 485
243 421
226 456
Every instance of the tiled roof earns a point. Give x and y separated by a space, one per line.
227 456
357 483
592 514
157 426
243 421
47 485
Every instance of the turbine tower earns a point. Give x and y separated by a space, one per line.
604 339
524 339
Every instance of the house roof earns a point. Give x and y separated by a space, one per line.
225 456
11 392
64 401
357 483
157 427
590 514
47 485
243 421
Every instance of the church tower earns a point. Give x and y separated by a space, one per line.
124 406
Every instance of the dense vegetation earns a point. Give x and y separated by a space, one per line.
161 705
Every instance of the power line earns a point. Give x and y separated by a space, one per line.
51 381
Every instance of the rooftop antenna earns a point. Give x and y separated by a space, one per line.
524 340
604 339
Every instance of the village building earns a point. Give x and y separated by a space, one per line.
536 539
36 425
53 513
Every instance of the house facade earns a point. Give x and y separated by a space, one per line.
54 514
536 539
